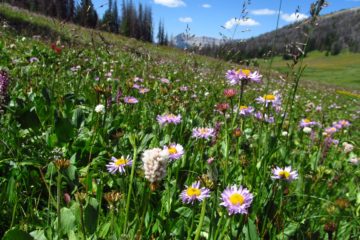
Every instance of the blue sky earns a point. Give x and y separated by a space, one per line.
212 17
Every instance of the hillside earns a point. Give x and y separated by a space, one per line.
106 137
22 22
332 33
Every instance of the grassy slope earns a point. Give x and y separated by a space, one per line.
342 70
29 24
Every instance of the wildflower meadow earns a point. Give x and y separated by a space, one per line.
98 142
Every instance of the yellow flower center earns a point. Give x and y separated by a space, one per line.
284 174
193 192
237 199
203 130
131 100
306 120
333 129
243 107
269 97
172 150
121 161
246 72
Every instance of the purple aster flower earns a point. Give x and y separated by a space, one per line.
232 77
235 77
75 68
130 100
284 173
203 133
245 110
143 90
330 130
274 100
343 123
184 88
307 123
136 86
194 193
137 79
118 164
165 80
33 59
168 118
236 200
264 117
248 75
174 150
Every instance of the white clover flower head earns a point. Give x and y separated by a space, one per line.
100 108
348 147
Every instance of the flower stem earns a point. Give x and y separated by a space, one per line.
130 189
58 199
201 221
191 226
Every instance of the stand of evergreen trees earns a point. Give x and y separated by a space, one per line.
135 22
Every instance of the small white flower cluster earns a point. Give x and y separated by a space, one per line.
348 147
100 109
155 161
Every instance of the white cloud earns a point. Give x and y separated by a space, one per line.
185 19
171 3
242 22
264 11
293 17
206 5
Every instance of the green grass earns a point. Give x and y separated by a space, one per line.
55 144
342 70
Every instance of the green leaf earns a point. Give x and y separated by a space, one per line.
184 211
104 230
91 215
38 235
78 117
250 231
16 234
63 128
67 220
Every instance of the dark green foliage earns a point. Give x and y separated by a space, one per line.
85 14
162 36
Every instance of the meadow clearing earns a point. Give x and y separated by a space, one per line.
104 137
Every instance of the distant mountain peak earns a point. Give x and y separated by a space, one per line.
183 41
